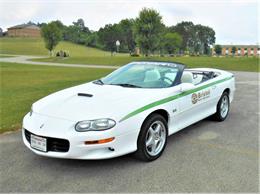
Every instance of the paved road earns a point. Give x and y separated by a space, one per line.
204 158
22 59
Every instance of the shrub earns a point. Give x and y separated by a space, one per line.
135 55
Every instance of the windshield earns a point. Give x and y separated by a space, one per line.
144 75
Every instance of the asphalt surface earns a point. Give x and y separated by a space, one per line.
206 157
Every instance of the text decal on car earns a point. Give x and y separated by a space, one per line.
196 97
171 98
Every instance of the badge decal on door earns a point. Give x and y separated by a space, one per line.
196 97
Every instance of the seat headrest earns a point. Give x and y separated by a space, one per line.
187 77
151 75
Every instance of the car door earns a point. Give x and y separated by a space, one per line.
196 104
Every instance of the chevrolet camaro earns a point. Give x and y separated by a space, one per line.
132 110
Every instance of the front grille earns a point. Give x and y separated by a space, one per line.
53 144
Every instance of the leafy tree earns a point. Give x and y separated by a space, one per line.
108 36
92 40
81 26
187 31
77 32
204 37
218 49
1 32
234 49
196 38
172 41
51 35
126 34
148 29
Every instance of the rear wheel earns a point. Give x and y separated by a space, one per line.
222 108
152 138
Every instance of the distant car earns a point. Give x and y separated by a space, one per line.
133 109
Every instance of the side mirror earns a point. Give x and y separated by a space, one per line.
187 87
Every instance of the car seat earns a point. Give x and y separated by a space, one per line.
187 77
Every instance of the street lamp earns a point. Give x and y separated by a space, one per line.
117 45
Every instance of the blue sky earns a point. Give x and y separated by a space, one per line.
234 21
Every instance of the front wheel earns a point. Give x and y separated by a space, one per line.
222 108
152 138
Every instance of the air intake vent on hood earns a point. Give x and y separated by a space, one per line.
85 94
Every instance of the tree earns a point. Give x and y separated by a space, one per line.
1 32
186 30
51 35
126 34
234 49
148 29
196 38
204 37
92 40
218 49
81 26
171 42
108 36
77 33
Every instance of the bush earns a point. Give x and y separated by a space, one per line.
135 55
62 54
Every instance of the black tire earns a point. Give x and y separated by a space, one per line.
218 116
141 152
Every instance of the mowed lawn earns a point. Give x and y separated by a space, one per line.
80 54
21 85
226 63
35 46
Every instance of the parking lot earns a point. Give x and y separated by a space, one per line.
206 157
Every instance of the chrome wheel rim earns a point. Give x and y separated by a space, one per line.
224 106
155 138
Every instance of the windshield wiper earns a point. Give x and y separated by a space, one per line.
99 82
127 85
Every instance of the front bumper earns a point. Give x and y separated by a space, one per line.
123 143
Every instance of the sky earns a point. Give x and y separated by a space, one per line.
234 21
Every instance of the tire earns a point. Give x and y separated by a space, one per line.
221 115
152 138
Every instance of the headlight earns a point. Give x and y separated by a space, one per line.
95 125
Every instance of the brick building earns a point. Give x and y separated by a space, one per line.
241 50
24 30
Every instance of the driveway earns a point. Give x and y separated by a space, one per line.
208 157
22 59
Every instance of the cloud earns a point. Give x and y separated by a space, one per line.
233 20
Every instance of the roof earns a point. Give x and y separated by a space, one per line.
240 46
31 26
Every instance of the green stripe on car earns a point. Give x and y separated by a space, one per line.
171 98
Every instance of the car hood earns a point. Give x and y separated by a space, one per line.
107 101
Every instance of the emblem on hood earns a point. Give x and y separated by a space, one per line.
41 126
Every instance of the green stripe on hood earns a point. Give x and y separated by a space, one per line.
171 98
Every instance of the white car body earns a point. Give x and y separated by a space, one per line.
55 116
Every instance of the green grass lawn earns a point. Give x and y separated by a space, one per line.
35 46
80 54
5 56
226 63
21 85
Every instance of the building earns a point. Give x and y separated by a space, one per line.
241 50
24 30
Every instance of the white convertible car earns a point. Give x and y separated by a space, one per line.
133 109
